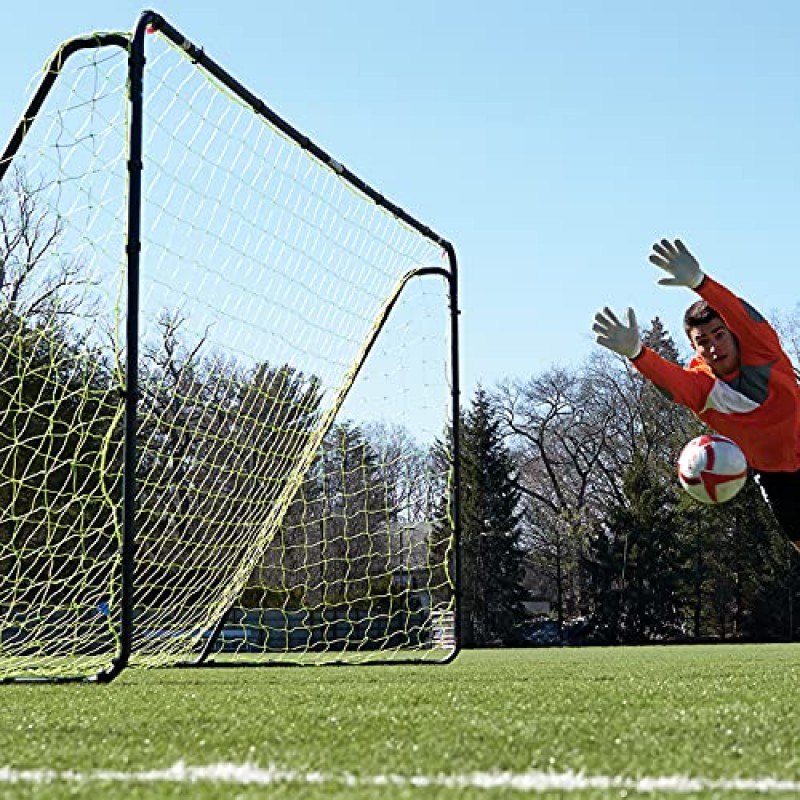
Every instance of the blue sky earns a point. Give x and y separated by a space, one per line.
552 143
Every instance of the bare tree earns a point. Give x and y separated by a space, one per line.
788 326
406 468
559 433
38 283
574 433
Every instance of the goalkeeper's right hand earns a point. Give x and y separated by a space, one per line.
611 333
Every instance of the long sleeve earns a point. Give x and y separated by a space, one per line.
688 387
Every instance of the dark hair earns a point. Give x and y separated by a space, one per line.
699 313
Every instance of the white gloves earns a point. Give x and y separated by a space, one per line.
683 270
678 262
611 333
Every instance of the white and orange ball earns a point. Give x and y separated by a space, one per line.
712 469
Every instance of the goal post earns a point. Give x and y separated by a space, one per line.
228 370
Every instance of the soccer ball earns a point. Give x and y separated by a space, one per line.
712 469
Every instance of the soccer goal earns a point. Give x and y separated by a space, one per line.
228 374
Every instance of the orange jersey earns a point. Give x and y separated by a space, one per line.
759 405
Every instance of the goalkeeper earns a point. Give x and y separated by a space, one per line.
740 382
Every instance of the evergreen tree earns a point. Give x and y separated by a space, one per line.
636 565
740 576
492 555
60 440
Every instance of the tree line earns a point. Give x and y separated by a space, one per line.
240 480
571 497
569 494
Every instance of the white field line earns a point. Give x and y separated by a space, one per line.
533 781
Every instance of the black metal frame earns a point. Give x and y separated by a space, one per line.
135 45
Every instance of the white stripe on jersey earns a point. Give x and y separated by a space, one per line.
727 400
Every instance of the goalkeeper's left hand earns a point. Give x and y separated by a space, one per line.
613 334
681 265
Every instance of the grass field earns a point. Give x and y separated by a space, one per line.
705 721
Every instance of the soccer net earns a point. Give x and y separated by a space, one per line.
292 336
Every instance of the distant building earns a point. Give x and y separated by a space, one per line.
410 559
534 582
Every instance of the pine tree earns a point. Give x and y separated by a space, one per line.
636 565
740 574
492 555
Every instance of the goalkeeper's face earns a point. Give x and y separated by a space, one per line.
716 345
